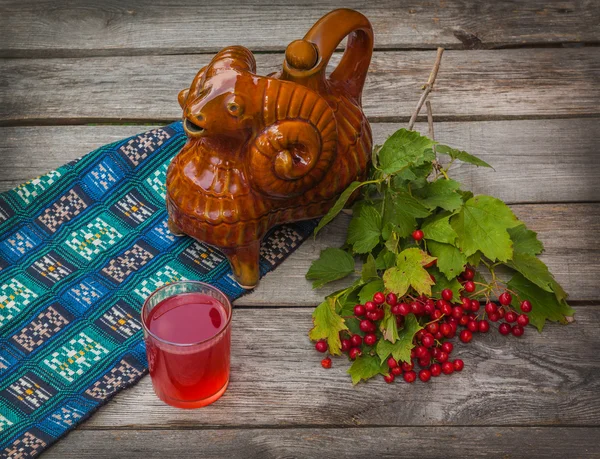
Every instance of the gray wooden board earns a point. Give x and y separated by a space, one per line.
385 442
511 83
534 160
31 28
551 378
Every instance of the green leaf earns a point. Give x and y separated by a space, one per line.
482 224
438 228
388 326
385 259
442 283
533 269
415 175
365 367
403 149
339 204
365 230
327 325
400 350
347 298
440 193
474 259
409 272
545 305
369 269
525 241
353 325
331 265
400 211
450 260
367 292
461 155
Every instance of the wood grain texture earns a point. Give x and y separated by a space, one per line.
512 83
277 380
387 442
45 28
549 160
570 254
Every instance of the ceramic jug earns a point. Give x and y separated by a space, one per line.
267 150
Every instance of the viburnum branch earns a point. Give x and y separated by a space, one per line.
428 87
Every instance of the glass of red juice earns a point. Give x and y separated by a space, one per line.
187 329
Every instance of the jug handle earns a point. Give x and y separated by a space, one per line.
309 57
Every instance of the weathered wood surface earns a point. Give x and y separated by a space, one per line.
277 380
539 82
542 156
44 28
571 255
386 442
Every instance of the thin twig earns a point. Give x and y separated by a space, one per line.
428 87
430 121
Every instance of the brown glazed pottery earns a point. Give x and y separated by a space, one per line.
266 150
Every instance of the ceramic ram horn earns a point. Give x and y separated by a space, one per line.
263 151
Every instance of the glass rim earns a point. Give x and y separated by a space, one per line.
170 343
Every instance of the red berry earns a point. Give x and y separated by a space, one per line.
457 312
491 308
447 368
359 310
356 340
391 299
494 317
483 326
501 313
446 309
505 298
346 345
446 329
396 371
504 329
372 315
417 235
475 305
442 357
326 362
370 339
424 362
517 330
392 362
433 328
447 347
469 286
416 308
366 325
404 309
420 334
464 320
389 378
370 306
436 369
410 376
396 310
438 335
526 306
511 317
379 298
429 307
406 366
472 326
458 365
425 375
466 336
428 340
436 314
321 346
468 274
421 352
354 352
447 294
523 320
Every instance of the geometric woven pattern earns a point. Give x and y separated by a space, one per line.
80 250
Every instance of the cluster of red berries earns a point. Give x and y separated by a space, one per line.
441 320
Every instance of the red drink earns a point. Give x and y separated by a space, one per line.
188 335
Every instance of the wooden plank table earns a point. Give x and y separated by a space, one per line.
519 86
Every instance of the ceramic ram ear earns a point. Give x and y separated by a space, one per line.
298 143
232 57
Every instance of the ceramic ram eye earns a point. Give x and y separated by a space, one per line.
303 140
